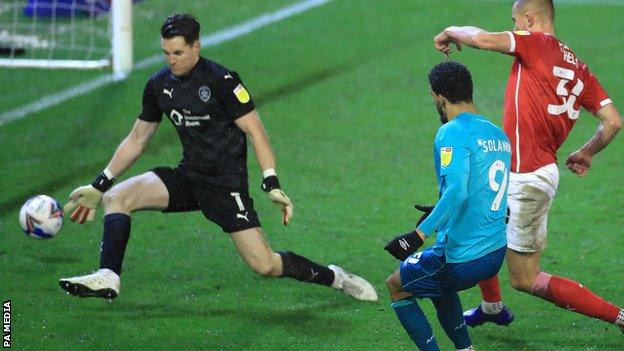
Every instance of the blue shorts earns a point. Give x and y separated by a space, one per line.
427 275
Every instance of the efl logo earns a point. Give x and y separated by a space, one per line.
6 322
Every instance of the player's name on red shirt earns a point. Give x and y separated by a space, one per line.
547 87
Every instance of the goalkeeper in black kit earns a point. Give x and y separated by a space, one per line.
213 113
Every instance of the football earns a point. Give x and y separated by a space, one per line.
41 217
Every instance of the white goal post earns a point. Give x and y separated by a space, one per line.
113 42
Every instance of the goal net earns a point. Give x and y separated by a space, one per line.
72 34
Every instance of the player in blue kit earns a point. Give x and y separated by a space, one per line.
472 158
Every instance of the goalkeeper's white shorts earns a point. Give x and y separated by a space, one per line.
529 198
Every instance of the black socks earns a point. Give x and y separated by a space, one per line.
116 235
300 268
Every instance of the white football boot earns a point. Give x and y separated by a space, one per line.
619 321
103 283
352 285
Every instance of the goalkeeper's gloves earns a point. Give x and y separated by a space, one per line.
402 246
270 185
84 200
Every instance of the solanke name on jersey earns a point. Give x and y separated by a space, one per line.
494 145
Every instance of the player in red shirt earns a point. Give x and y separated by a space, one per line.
547 87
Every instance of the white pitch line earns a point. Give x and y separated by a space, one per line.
222 36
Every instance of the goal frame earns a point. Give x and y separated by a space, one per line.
121 48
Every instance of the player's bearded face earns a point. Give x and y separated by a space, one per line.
440 104
181 57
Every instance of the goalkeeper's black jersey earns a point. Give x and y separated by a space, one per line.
203 107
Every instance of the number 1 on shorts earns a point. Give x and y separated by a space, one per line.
239 202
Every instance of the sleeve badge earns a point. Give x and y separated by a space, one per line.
446 155
241 94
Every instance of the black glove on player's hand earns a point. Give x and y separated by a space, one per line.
426 209
402 246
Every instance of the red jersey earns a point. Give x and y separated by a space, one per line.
547 87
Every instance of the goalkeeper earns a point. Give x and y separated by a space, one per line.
213 114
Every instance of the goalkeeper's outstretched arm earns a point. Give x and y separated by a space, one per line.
84 200
131 147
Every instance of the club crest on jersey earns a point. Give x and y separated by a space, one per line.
241 94
522 32
446 155
204 93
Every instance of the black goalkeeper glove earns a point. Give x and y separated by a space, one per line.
402 246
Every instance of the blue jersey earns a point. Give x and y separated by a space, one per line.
472 158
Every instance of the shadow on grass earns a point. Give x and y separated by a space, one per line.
58 259
505 337
310 320
307 320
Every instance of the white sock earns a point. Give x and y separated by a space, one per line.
337 283
469 348
492 307
620 319
109 273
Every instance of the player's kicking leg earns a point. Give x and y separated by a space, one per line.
256 252
529 200
525 275
145 191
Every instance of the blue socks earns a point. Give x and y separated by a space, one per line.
450 315
415 323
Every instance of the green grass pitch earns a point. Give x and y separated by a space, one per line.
343 93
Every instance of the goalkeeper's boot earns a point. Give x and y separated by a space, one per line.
103 283
352 285
476 317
